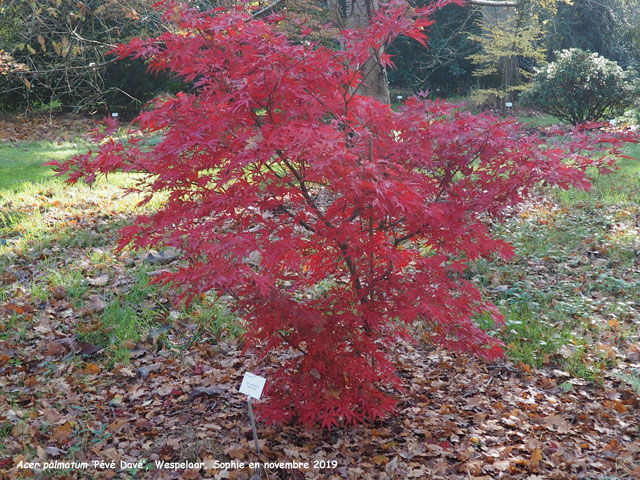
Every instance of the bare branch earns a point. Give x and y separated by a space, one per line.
267 9
495 3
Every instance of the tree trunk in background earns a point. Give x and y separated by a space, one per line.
355 14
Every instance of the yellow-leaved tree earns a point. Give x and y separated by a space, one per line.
511 40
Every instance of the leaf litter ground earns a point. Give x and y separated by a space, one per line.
96 365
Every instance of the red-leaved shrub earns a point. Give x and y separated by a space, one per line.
333 220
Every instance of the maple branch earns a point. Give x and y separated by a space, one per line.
63 68
322 104
303 188
302 223
404 238
286 339
343 247
352 270
354 215
276 174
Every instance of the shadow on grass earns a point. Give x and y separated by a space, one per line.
58 266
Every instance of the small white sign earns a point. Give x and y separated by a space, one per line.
252 385
613 121
509 104
114 115
399 97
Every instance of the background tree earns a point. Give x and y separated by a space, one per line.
312 17
443 67
608 27
511 46
357 14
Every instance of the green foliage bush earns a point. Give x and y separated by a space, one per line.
581 86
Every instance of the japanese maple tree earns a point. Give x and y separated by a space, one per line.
333 220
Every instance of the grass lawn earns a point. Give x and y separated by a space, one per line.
99 362
571 296
539 120
66 235
21 163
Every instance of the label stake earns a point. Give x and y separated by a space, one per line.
253 425
252 386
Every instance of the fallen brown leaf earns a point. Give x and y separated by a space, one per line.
536 457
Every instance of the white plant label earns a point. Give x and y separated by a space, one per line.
114 115
252 385
509 104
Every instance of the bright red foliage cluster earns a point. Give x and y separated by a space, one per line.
332 219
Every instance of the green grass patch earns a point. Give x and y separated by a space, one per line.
66 235
542 120
215 319
142 312
632 379
126 318
571 293
621 188
72 282
532 337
